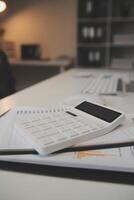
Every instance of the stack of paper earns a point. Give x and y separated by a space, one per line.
118 159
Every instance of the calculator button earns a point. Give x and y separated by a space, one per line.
33 130
60 137
92 128
45 117
35 121
101 126
72 133
42 124
25 123
45 127
48 142
53 121
58 125
28 125
77 126
69 123
52 133
63 128
83 129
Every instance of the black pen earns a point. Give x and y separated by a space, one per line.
97 147
69 149
6 152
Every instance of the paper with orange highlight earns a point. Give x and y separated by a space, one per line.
83 154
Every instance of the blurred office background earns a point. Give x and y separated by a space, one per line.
88 33
50 26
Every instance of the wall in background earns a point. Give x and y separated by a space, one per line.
52 23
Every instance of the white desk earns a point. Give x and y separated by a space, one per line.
29 72
22 186
61 64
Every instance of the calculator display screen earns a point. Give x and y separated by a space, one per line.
98 111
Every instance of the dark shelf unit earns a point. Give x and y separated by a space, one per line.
105 32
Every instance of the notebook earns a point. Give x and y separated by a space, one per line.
119 159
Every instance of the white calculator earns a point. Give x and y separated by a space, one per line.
53 131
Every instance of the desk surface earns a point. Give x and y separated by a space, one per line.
15 185
61 64
41 63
